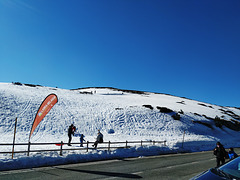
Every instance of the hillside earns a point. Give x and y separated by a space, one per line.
119 114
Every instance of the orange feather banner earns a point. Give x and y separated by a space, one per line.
45 107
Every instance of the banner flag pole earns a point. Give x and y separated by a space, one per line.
14 137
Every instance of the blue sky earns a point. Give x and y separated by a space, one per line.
187 48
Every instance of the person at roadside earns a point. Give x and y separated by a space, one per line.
220 154
232 154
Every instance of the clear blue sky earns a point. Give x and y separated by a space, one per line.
187 48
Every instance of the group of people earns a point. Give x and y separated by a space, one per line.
72 130
221 154
219 151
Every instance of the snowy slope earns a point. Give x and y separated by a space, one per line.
119 114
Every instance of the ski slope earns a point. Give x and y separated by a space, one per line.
119 114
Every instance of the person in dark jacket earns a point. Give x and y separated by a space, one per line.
232 154
71 131
81 140
99 139
220 154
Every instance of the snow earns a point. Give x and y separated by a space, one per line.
118 114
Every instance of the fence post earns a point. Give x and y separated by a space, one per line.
126 144
141 142
183 139
153 142
28 148
61 149
165 143
109 145
87 146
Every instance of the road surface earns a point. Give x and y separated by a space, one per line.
174 166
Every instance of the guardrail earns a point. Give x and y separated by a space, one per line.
105 145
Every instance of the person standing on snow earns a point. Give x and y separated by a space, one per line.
71 131
99 139
81 140
220 154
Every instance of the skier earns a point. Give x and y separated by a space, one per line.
220 154
81 140
99 139
71 131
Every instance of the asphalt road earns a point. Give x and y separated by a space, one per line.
174 166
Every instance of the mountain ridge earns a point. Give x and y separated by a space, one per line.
120 89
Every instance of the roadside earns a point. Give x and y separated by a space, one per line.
173 166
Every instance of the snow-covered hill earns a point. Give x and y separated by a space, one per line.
119 114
